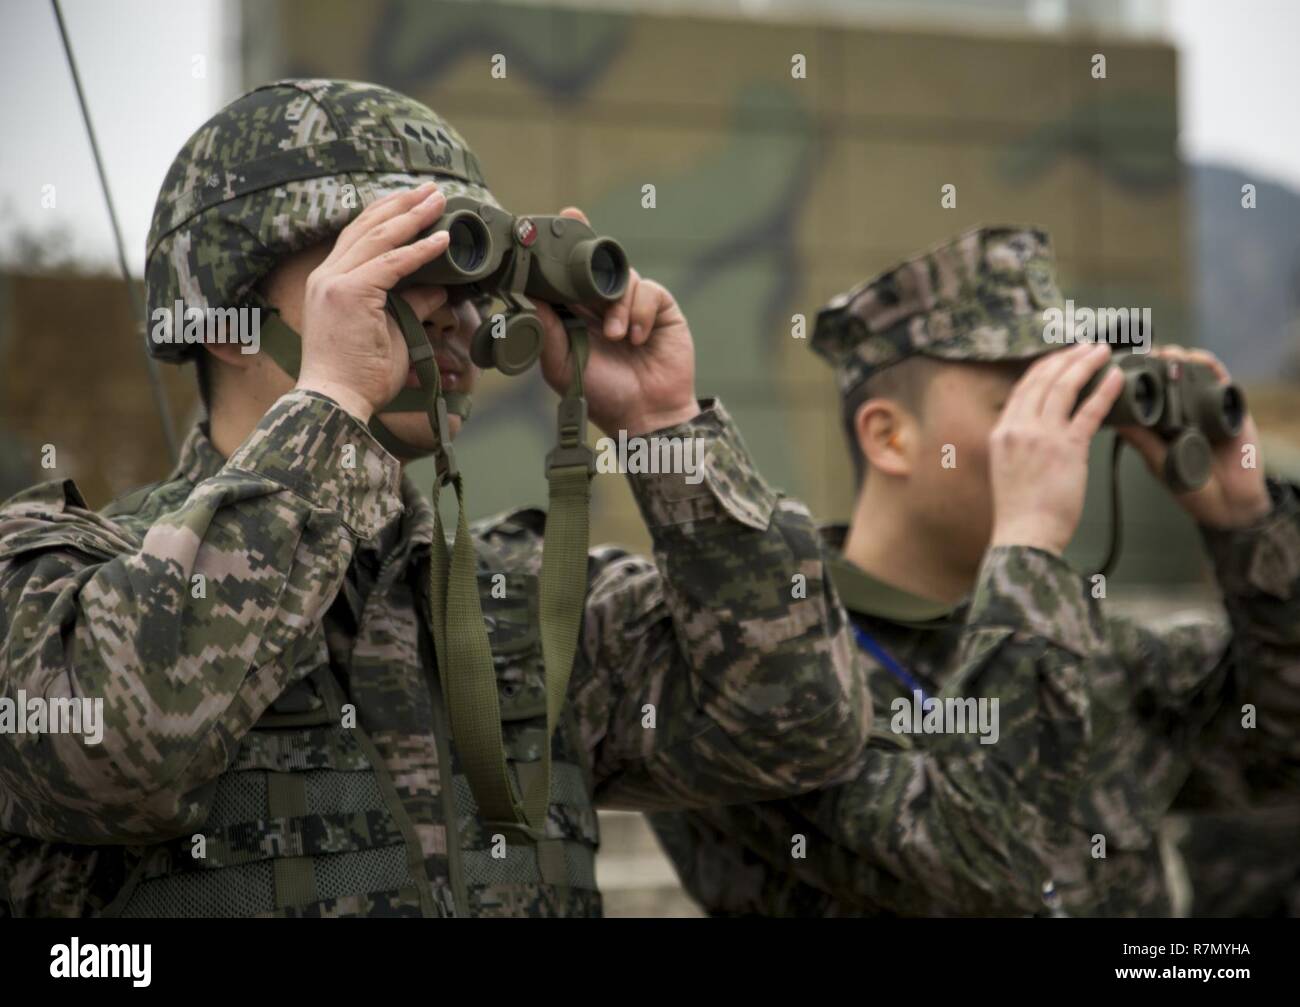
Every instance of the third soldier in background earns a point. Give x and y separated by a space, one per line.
971 461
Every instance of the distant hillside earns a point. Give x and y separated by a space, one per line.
1247 266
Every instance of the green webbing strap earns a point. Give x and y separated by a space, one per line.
295 881
569 468
460 638
459 633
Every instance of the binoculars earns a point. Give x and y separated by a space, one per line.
1183 402
494 254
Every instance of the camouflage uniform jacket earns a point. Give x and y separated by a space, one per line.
941 825
274 737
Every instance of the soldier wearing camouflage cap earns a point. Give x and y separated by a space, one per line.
288 725
972 467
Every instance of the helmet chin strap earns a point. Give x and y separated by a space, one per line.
515 805
283 345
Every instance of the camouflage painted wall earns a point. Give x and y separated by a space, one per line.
773 193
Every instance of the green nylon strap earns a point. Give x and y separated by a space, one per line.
569 468
459 633
460 639
295 881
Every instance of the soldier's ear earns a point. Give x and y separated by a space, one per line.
886 436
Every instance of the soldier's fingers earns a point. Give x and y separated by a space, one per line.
1026 399
1170 351
385 269
392 232
1212 362
616 315
377 212
1062 397
573 213
646 303
1188 355
1087 421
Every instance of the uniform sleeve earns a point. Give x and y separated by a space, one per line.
968 818
1250 753
723 671
187 639
971 822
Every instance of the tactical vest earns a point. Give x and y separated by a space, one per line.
307 821
321 814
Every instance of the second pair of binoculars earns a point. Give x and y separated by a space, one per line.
495 254
1185 403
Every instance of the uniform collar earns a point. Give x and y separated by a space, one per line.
863 594
199 459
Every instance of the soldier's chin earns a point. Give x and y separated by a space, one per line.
413 430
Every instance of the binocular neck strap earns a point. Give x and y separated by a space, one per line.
460 638
569 468
1116 515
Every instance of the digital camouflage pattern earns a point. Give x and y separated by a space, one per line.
940 825
1239 862
1105 724
282 168
286 710
980 296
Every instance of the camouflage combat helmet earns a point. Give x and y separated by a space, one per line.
979 297
285 166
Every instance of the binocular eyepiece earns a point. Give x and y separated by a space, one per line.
554 259
470 243
1183 402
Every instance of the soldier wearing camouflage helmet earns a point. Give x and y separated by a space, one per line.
290 726
953 578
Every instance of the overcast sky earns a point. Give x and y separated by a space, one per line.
137 64
141 61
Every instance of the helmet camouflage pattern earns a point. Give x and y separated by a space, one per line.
282 168
979 297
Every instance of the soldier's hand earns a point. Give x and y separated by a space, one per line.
1235 496
1038 451
352 349
640 375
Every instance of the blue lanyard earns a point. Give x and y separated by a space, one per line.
867 643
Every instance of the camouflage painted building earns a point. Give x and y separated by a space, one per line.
788 160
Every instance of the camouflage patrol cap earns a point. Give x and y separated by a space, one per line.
285 166
980 296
